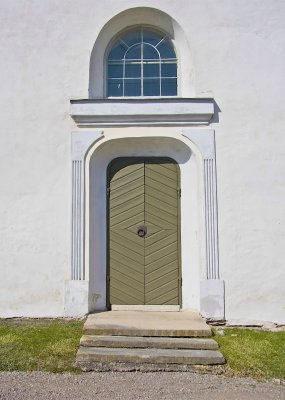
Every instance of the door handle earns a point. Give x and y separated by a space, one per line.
142 231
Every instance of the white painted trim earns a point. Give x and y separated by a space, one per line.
212 299
141 112
146 142
204 139
76 298
80 144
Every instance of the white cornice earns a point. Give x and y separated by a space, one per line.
142 112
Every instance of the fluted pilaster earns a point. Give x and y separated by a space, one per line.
204 140
81 143
211 219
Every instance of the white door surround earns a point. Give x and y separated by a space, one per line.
194 149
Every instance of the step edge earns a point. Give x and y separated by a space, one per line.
85 349
148 342
88 354
148 333
143 367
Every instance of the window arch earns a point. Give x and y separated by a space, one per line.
142 62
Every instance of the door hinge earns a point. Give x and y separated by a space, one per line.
179 192
108 192
180 281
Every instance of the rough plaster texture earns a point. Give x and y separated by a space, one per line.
235 50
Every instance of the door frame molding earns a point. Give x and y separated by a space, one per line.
85 143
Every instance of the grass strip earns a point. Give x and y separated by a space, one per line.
51 345
256 353
39 345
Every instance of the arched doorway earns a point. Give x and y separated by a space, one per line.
194 150
158 143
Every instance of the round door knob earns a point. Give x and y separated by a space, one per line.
141 231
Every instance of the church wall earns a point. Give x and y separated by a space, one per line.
237 57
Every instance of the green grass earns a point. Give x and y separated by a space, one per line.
51 345
255 353
39 345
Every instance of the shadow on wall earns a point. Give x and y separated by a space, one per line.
217 110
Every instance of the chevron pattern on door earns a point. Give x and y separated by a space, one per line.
161 243
144 269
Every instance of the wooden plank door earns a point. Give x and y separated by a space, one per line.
126 248
143 232
162 281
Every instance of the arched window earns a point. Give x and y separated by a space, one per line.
142 63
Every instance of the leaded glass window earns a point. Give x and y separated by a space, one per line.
142 63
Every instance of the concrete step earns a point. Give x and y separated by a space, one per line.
148 342
88 357
138 323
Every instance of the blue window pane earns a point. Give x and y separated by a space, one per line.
132 38
142 63
134 53
115 87
132 87
152 38
169 70
151 87
150 53
168 87
151 70
117 52
133 71
115 70
166 50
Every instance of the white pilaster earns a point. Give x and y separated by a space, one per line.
77 255
212 289
211 219
80 144
204 139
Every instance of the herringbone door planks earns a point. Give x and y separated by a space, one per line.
161 245
126 248
144 270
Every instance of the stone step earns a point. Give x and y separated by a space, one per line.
155 324
152 341
147 332
88 357
148 342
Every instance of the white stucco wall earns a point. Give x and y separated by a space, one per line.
236 55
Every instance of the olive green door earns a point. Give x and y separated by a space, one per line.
143 231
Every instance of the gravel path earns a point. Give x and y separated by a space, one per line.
134 385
